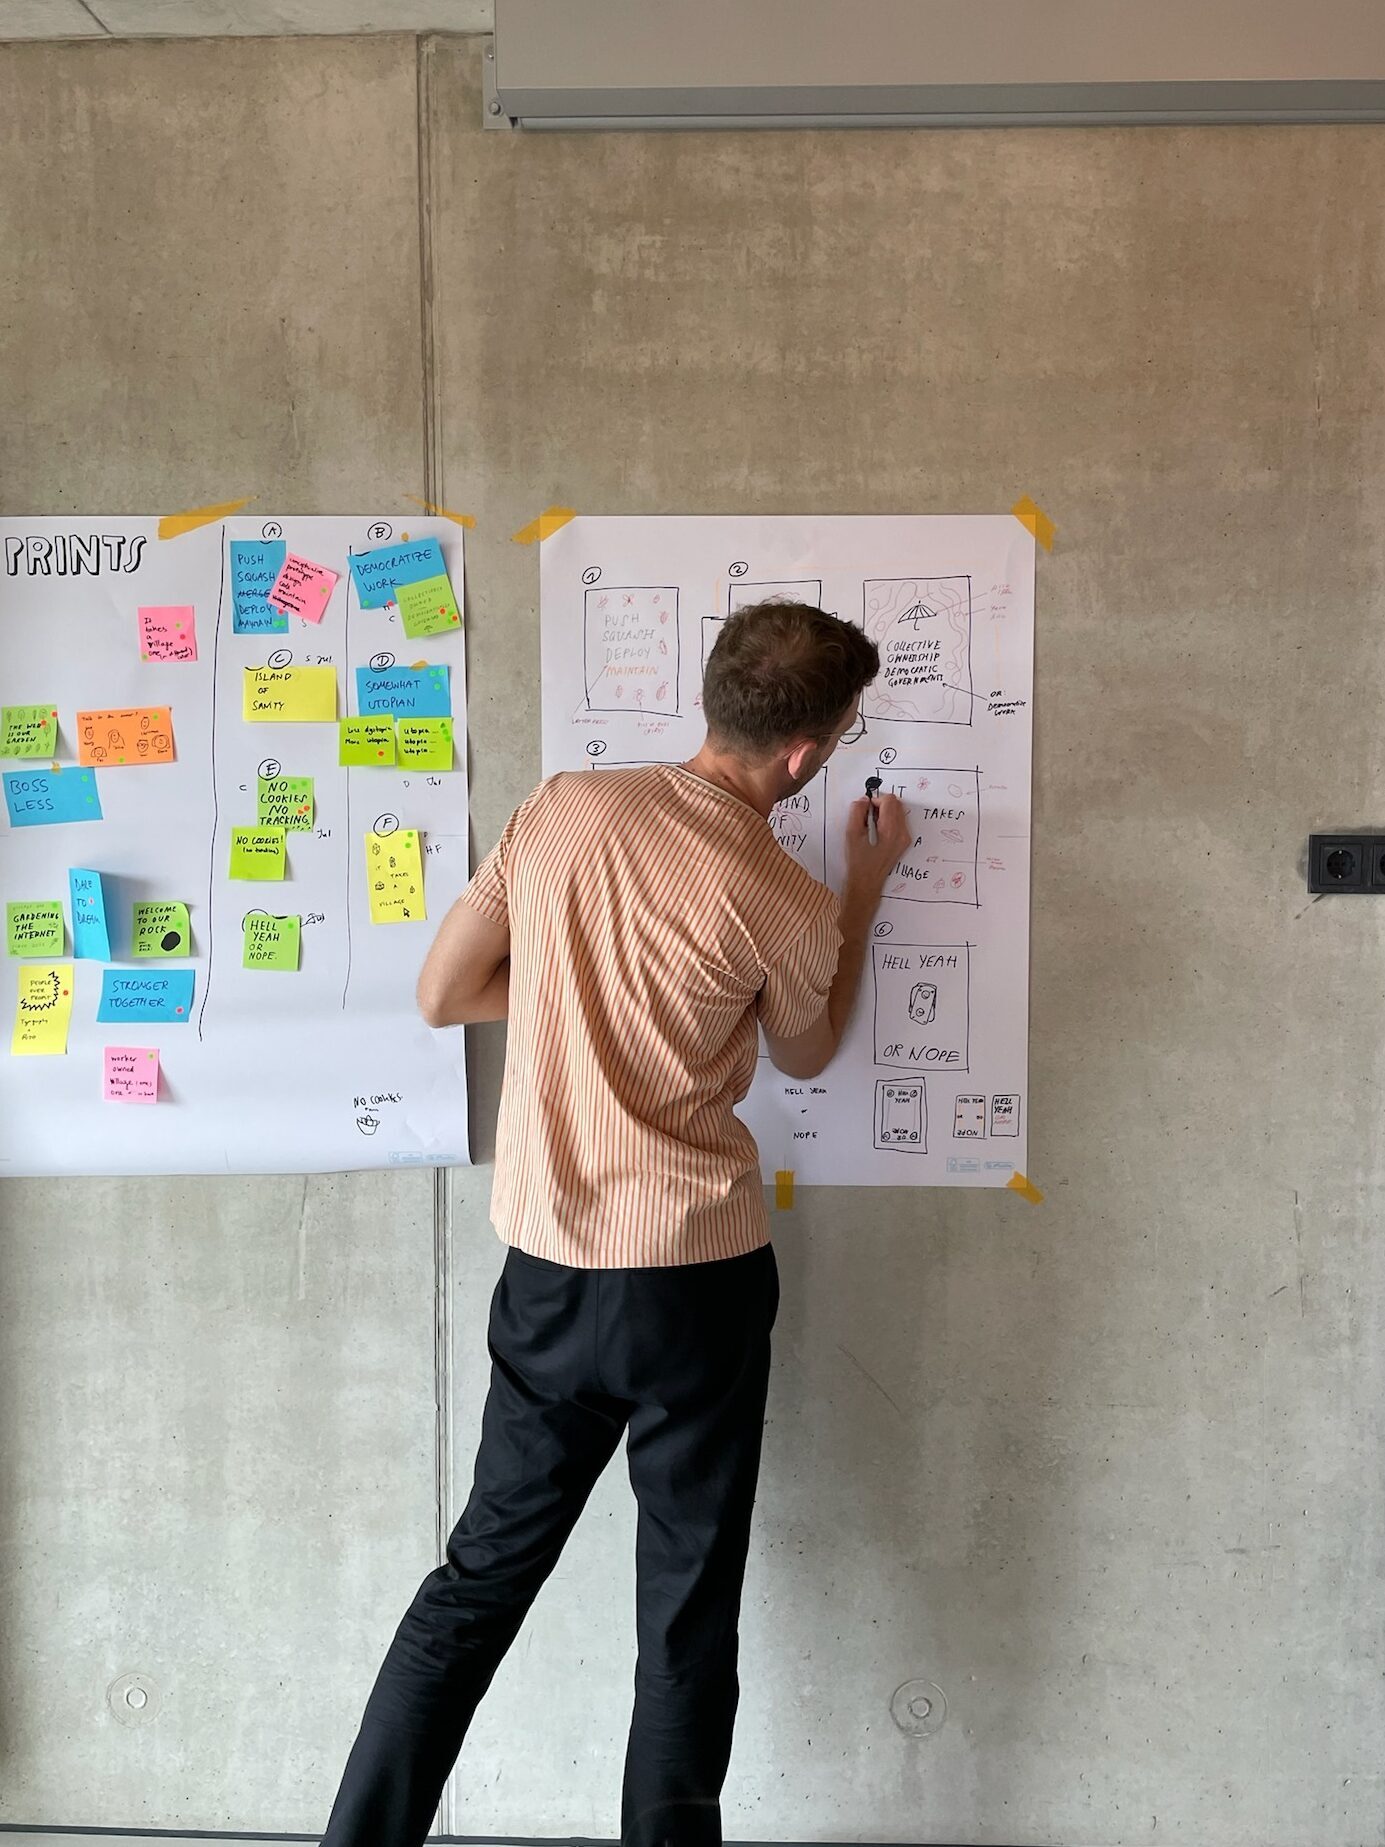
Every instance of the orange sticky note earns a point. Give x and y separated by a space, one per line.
105 740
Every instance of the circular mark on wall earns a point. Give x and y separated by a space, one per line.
133 1698
597 747
380 531
919 1708
592 574
738 569
281 657
270 767
380 661
271 530
386 823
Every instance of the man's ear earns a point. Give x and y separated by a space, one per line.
798 758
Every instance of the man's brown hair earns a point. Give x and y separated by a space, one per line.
781 671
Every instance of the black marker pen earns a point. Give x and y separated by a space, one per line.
872 790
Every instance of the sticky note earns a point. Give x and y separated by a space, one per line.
302 588
105 740
133 994
34 929
377 572
33 798
394 874
161 929
257 852
168 632
428 607
44 1009
270 942
91 938
425 743
287 802
292 695
412 692
28 730
366 742
132 1074
255 564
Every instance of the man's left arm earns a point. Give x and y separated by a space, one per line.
466 975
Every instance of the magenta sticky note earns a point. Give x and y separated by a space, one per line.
132 1074
168 632
302 588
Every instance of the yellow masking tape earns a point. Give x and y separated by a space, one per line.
783 1190
1025 1188
1036 520
173 525
458 519
551 520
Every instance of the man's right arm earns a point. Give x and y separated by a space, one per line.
809 1053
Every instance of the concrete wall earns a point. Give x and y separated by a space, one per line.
1107 1469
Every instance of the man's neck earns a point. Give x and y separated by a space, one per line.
750 785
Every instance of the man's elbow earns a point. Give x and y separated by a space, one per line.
432 1003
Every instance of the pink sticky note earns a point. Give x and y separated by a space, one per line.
168 633
302 588
132 1074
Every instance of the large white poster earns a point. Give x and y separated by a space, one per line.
235 809
929 1086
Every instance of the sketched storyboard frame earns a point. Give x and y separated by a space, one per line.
929 1086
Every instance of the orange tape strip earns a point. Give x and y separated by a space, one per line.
174 525
552 520
1025 1188
458 519
783 1190
1036 520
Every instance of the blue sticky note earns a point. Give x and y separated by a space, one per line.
412 692
137 996
377 572
255 563
91 939
33 798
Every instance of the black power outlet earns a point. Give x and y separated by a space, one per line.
1346 862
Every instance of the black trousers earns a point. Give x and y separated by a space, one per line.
677 1359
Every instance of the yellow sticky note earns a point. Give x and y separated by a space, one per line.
394 876
290 695
783 1189
45 1007
257 852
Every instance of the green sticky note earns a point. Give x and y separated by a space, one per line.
34 929
287 802
28 730
257 852
427 607
270 942
368 743
161 929
425 743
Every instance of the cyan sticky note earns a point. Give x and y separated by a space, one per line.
33 798
377 572
137 994
405 692
91 939
255 566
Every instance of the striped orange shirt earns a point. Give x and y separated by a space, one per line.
653 918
